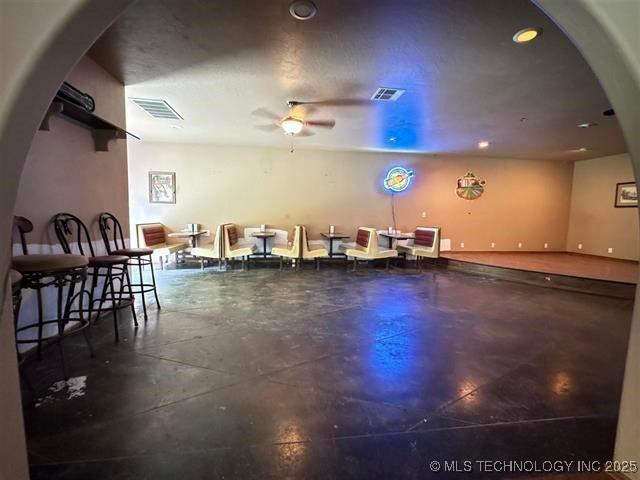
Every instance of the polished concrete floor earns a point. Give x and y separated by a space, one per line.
334 375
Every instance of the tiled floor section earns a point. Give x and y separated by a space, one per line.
572 264
335 375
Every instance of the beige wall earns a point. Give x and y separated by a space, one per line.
63 172
593 221
525 201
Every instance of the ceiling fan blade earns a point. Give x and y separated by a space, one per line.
338 102
321 123
305 133
263 112
267 128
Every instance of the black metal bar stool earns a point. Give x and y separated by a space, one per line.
59 271
112 269
138 257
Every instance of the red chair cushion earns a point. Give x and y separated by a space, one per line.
154 235
233 235
424 238
363 238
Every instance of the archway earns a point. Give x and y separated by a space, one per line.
46 44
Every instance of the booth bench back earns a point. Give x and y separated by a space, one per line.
427 238
367 239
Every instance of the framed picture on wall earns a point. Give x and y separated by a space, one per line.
162 187
626 195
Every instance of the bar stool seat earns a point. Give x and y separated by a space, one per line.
133 252
43 264
108 260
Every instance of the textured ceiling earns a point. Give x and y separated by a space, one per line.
217 62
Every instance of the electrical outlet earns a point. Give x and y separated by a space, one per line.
609 250
519 244
461 244
423 214
579 246
546 245
493 245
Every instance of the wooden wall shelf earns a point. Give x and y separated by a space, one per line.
101 130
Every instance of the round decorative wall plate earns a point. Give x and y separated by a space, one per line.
470 187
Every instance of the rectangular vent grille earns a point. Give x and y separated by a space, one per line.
386 94
157 108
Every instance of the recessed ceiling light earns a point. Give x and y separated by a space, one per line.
587 124
303 9
483 144
527 34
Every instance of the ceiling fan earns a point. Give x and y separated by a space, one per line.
296 122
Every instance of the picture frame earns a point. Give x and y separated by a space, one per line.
162 187
626 195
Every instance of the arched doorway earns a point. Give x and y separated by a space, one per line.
44 45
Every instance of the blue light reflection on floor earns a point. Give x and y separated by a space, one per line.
392 362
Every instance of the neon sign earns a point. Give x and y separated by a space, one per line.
398 179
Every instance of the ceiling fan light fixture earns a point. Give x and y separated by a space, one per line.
292 125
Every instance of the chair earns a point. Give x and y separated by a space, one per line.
214 251
138 257
111 269
37 272
366 248
153 236
308 252
293 251
235 247
425 244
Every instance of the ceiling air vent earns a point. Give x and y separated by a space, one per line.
386 94
157 108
